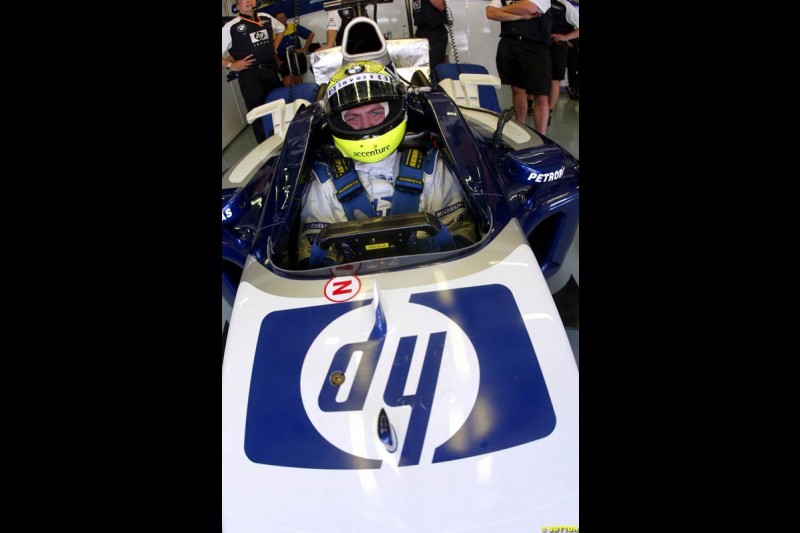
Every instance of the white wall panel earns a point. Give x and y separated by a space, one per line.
475 36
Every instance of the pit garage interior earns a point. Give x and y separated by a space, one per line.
473 40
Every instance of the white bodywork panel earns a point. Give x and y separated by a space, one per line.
408 56
464 90
520 488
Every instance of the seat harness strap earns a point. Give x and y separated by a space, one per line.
408 183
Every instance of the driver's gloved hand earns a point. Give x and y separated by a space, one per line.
425 245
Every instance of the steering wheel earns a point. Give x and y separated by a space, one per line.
379 237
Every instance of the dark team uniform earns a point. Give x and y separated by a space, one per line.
243 36
560 24
523 53
432 25
346 16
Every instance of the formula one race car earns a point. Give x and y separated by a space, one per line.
400 390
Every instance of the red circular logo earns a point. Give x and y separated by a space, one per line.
342 288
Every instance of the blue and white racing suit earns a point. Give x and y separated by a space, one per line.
441 196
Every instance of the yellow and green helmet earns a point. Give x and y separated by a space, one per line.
361 83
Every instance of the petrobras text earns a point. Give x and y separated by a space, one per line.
547 176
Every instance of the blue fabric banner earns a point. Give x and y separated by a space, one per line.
288 7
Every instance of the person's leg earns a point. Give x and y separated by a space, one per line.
520 101
541 112
558 61
538 75
266 81
555 88
270 80
253 94
509 72
437 41
572 67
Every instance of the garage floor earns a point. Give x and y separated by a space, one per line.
563 130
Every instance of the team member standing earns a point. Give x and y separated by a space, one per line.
430 18
250 40
523 55
291 38
572 68
565 28
334 28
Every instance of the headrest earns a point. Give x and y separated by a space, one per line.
364 41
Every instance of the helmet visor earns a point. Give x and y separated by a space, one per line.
364 88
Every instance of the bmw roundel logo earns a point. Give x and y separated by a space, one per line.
355 69
241 27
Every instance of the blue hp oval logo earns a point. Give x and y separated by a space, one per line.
466 383
423 373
